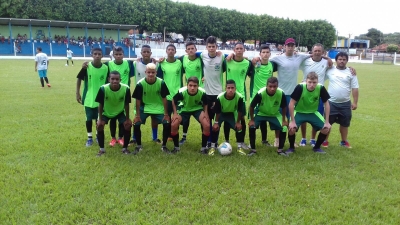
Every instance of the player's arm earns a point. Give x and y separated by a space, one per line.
217 110
137 94
256 101
284 109
81 76
238 125
205 105
36 66
354 92
128 121
100 100
177 98
295 97
160 72
330 63
164 93
324 97
250 69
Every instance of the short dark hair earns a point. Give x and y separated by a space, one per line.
239 43
264 47
115 72
318 44
171 45
118 49
189 43
211 40
342 54
97 50
39 49
272 80
193 79
146 46
230 82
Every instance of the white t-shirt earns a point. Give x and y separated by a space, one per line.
41 59
341 82
112 55
140 70
69 53
288 68
309 65
212 73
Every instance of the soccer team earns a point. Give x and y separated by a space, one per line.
159 94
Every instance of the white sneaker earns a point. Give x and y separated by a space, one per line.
245 146
276 143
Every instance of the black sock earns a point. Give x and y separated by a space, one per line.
113 127
204 140
292 138
214 136
89 126
185 129
67 62
121 130
127 136
100 136
41 81
72 62
321 138
252 136
47 80
227 130
175 138
282 139
166 133
243 129
138 134
263 129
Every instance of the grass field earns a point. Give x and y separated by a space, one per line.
48 176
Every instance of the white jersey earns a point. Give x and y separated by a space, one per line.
42 60
288 69
69 53
140 70
112 55
341 82
212 73
309 65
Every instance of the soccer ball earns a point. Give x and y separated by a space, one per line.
225 148
66 64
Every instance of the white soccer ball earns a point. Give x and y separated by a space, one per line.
225 148
66 64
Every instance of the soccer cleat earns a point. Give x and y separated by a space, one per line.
252 152
176 150
303 142
241 151
48 85
132 142
318 150
282 153
121 141
325 144
101 152
137 150
182 141
157 141
245 146
126 151
165 150
290 151
266 143
204 151
276 143
211 151
89 142
312 142
113 142
345 144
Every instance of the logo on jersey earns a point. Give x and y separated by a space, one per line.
276 103
197 68
217 66
178 72
121 99
243 72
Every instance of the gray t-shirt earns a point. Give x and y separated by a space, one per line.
341 82
288 68
309 65
213 70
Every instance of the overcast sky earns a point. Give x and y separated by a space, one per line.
347 16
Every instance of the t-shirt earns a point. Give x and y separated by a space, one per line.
213 69
94 78
42 60
125 69
140 70
309 65
172 74
229 106
193 68
113 101
288 68
188 102
237 71
112 55
151 95
341 82
260 77
308 101
268 105
69 53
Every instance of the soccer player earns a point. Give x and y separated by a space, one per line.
94 76
114 99
305 100
41 65
229 109
262 71
193 102
151 100
341 84
69 57
170 70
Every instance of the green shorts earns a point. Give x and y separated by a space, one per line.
120 117
143 116
186 116
229 118
316 120
275 122
91 113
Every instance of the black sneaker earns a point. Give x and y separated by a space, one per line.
132 142
100 153
165 150
175 151
266 143
137 150
282 153
252 152
204 151
126 151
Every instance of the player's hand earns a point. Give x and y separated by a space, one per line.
85 65
238 126
327 127
100 124
161 59
255 60
202 79
251 123
353 106
215 127
78 98
292 125
153 60
138 59
137 120
219 53
128 124
229 57
353 71
167 118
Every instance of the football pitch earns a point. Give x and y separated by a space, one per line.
48 176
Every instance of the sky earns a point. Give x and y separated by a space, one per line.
349 17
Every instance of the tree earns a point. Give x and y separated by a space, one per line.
392 48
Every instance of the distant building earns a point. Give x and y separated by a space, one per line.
351 43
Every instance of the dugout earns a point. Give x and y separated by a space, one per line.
27 34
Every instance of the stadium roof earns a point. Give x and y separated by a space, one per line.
59 23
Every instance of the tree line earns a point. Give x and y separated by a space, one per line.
185 18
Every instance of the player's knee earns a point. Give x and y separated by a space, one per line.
292 131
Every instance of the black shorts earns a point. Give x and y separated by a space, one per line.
340 113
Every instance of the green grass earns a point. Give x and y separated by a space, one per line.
48 176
